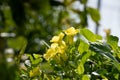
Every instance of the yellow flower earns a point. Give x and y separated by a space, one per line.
61 35
71 31
50 53
54 49
57 38
58 46
62 47
54 45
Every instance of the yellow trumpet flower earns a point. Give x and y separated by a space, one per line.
57 38
50 53
58 46
71 31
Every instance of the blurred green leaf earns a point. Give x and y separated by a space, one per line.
83 1
85 77
22 47
46 67
83 47
72 64
17 43
83 19
36 56
34 72
37 61
80 69
94 13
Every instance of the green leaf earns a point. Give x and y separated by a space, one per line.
83 46
89 35
85 56
36 56
23 48
30 57
105 50
46 67
80 69
113 42
21 51
94 13
37 61
71 63
98 37
17 43
85 77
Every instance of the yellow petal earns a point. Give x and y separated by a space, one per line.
54 45
71 31
50 53
55 39
62 47
61 35
63 43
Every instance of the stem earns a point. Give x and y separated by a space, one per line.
98 7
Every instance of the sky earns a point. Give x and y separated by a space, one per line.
110 16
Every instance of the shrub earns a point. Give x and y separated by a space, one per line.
75 54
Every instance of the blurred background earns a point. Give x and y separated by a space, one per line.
34 22
109 11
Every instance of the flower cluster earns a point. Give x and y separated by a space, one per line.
71 31
58 45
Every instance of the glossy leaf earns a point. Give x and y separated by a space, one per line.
105 50
83 47
102 49
113 42
90 36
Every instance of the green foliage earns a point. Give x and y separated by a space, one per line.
113 42
85 77
17 43
80 69
40 20
83 47
91 59
26 26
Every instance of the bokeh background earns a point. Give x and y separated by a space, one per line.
34 22
109 11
